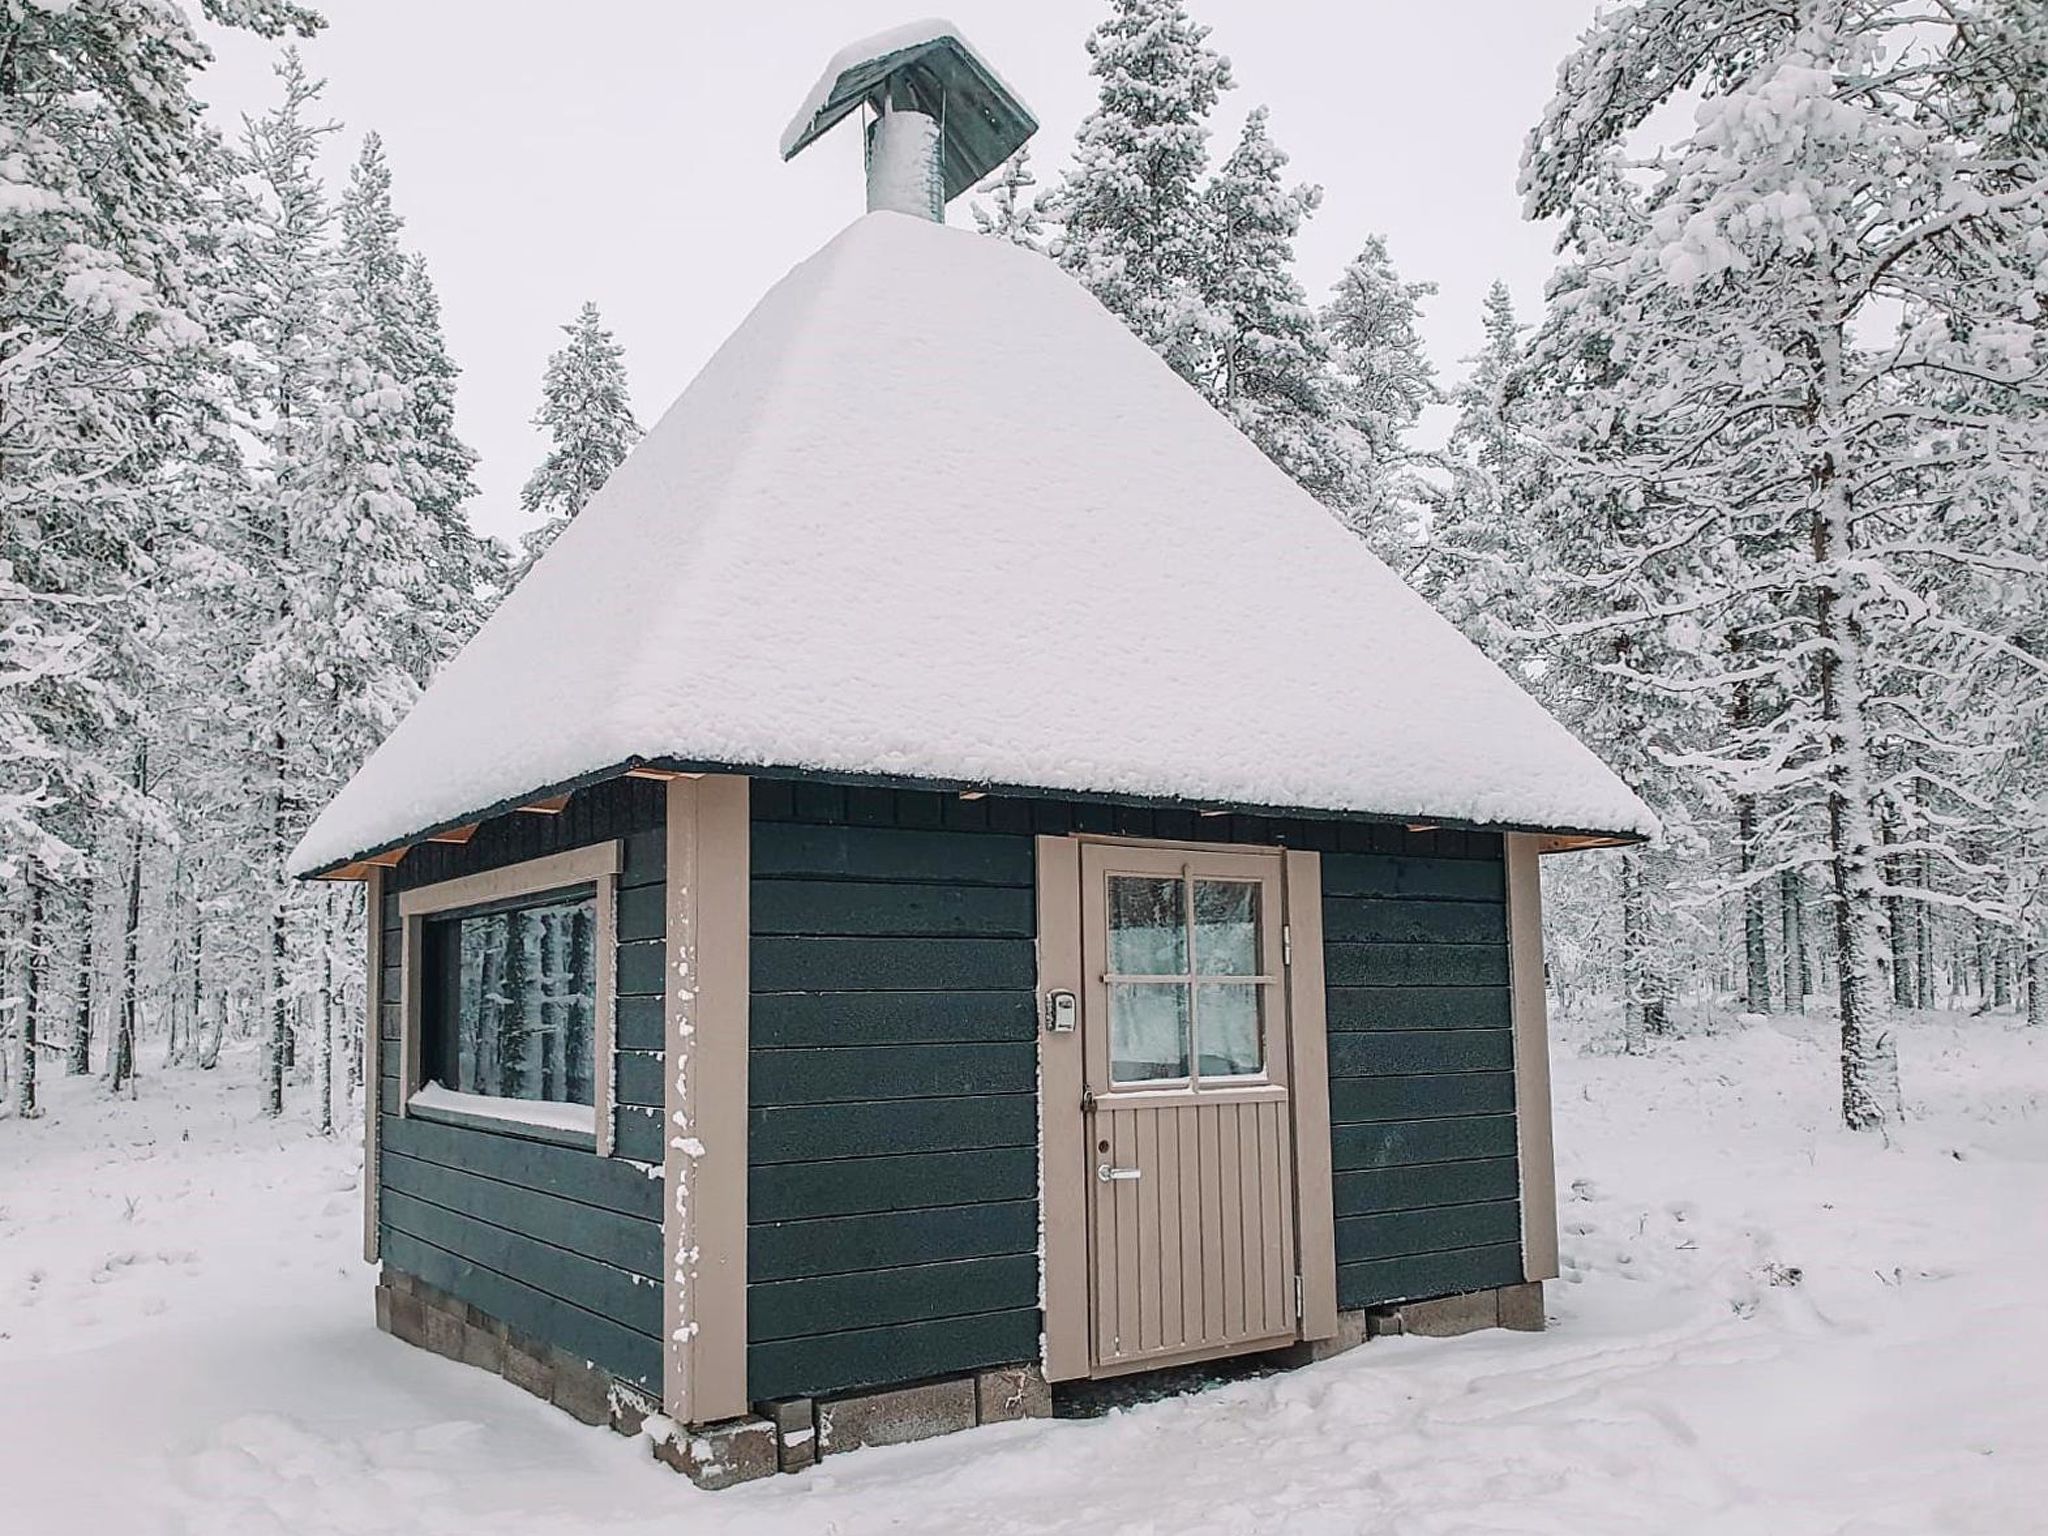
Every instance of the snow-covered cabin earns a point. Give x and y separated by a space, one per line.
953 875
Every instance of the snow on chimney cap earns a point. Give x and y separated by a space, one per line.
927 67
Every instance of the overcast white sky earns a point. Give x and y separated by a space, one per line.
624 151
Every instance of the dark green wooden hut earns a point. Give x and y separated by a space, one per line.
952 877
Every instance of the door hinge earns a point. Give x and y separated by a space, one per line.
1298 1307
1286 944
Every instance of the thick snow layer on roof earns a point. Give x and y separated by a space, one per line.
911 34
932 512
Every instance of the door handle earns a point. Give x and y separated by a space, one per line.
1108 1175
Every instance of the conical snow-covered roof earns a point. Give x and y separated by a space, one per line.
932 513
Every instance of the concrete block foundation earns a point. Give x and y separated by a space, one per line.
791 1434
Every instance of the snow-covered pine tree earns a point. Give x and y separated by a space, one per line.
1852 229
1130 208
586 409
1384 382
1018 215
1268 367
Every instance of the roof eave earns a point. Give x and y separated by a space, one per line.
1554 839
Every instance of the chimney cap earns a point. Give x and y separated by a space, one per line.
927 67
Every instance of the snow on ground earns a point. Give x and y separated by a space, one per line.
1766 1326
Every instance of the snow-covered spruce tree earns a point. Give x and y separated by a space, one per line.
1268 367
1595 589
1018 214
285 327
97 129
380 604
1856 217
470 572
1384 381
587 411
1479 564
97 124
1130 209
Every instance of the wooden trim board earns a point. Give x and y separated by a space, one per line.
1535 1151
373 1056
1315 1210
1062 1150
705 1012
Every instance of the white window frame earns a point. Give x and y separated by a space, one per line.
596 865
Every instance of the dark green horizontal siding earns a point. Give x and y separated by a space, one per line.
627 1354
791 1309
1417 1186
889 1018
839 1245
1422 1088
1441 1273
892 1077
559 1243
851 1186
816 1133
868 1073
1384 1007
897 1352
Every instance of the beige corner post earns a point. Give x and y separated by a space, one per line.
1315 1221
1062 1148
373 1055
704 1161
1532 1058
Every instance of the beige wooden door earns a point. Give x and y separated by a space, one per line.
1186 1109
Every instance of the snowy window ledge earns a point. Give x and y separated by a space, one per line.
569 1125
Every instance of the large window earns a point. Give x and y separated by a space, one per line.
511 999
507 1004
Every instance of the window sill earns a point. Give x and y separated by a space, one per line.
530 1120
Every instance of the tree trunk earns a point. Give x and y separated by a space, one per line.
1924 967
80 1061
2037 980
34 941
1643 994
324 1063
2001 973
121 1069
1870 1071
1792 939
1756 942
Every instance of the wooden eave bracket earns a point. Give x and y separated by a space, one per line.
553 805
1578 842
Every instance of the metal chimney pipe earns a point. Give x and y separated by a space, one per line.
905 169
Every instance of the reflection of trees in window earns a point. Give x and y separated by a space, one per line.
524 1007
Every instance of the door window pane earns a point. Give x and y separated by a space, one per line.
1148 934
1227 1027
1226 927
1148 1031
512 1013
